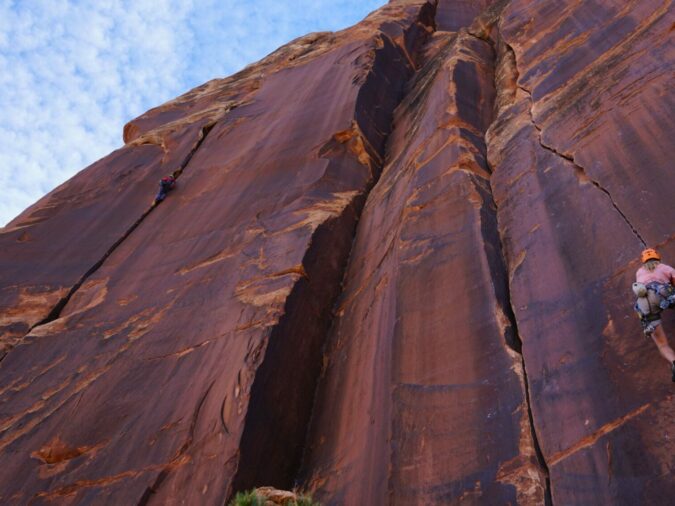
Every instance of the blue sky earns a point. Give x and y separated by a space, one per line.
72 73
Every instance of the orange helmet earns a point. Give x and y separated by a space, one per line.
649 254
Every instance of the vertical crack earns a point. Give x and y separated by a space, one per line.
55 313
497 263
506 77
548 497
512 336
514 342
296 343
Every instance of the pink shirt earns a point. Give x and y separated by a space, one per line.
662 274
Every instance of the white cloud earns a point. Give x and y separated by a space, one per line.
73 73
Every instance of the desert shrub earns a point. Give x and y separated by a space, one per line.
249 498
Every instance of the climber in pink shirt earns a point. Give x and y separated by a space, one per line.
655 288
662 273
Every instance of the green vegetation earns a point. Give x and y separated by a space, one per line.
305 500
250 498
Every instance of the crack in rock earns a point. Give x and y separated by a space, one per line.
580 171
55 313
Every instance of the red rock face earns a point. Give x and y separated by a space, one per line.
452 15
422 329
48 248
579 160
395 270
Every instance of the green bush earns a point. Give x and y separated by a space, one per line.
250 498
305 500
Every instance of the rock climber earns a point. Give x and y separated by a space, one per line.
166 184
655 289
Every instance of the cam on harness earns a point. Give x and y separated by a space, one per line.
652 299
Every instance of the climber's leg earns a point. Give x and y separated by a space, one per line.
659 337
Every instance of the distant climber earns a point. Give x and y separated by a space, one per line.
166 184
655 290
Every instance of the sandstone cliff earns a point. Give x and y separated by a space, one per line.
395 270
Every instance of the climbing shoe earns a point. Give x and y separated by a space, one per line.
673 369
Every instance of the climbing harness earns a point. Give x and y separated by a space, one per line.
652 298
